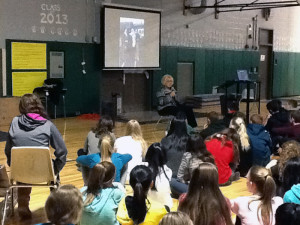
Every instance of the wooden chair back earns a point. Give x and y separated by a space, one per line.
32 165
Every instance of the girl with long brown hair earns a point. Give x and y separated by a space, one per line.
204 201
196 153
33 128
101 196
260 208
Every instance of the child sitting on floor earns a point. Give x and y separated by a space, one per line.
260 141
64 206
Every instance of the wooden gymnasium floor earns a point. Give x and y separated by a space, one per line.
74 132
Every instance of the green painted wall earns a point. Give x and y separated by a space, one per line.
286 74
83 92
212 66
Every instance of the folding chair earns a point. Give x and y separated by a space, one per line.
4 187
31 166
162 116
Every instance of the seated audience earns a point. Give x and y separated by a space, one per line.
140 208
103 127
224 148
291 105
232 111
204 201
174 144
291 181
106 154
196 153
288 150
101 196
278 117
132 143
259 208
33 128
238 123
169 103
64 206
260 141
176 218
214 125
291 131
288 214
155 160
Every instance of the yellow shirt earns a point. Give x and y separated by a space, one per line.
155 213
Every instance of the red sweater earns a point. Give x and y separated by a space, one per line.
223 154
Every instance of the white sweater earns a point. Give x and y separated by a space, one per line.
126 145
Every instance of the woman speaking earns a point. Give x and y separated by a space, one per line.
169 104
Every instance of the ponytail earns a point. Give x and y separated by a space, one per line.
238 124
106 148
140 181
266 200
266 189
100 177
139 197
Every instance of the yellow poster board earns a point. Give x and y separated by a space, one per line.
28 55
25 82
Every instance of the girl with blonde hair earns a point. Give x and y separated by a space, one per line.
260 208
239 125
106 154
134 130
132 143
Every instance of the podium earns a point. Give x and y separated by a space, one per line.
237 96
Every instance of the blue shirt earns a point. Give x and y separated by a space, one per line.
102 210
119 160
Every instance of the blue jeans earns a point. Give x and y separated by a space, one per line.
177 188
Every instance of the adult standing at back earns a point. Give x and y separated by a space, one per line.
32 128
169 103
132 143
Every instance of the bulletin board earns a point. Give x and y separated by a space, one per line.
26 55
25 82
28 66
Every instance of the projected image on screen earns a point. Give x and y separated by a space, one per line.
131 38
